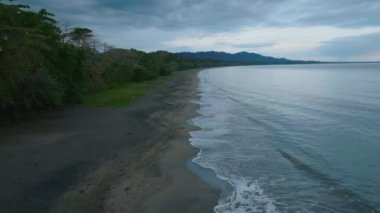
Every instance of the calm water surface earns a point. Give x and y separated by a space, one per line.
292 138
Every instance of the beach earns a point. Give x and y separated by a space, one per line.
86 159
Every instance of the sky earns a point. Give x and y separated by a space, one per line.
328 30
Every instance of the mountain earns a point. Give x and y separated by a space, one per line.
241 58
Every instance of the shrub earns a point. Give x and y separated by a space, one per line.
142 74
36 92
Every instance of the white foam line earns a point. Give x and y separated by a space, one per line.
247 196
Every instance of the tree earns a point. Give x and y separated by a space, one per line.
81 37
31 71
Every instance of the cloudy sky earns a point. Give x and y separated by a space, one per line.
345 30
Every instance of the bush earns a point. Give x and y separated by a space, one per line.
118 73
142 74
36 92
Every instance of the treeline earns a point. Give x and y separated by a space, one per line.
43 65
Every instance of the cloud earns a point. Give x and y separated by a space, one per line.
290 41
248 45
353 47
218 15
283 28
342 13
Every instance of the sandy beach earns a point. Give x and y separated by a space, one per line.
107 159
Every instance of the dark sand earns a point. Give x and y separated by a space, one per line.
84 159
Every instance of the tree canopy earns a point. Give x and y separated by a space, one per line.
43 66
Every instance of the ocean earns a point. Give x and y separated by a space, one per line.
291 138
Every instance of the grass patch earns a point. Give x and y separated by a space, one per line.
121 96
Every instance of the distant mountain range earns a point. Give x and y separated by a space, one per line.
241 58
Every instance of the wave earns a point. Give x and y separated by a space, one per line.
353 200
247 197
257 143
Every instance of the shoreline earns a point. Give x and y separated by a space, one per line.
173 188
108 159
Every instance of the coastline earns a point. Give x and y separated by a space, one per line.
108 159
172 187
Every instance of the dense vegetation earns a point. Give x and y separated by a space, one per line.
43 66
241 58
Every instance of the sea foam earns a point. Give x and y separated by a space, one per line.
247 197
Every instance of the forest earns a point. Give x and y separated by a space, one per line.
44 65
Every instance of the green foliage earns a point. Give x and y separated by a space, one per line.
121 96
80 36
68 70
36 92
42 66
26 38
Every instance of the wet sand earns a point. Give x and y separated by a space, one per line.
107 159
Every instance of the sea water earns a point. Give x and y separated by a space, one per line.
292 138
